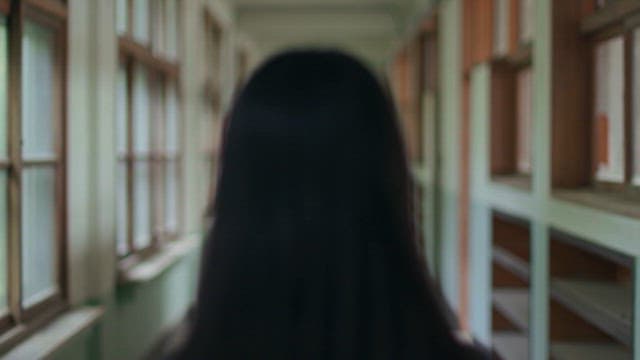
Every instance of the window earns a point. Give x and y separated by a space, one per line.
524 118
148 126
512 89
513 27
609 109
32 164
595 137
413 76
526 14
614 116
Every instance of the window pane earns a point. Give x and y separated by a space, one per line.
207 181
159 26
121 206
3 241
208 143
4 57
158 115
141 115
38 233
609 109
141 213
121 111
636 107
38 86
122 16
172 28
158 193
527 20
501 28
243 66
525 117
172 130
141 20
171 196
211 60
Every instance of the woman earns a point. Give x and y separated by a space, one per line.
313 253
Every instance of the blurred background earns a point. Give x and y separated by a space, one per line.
521 119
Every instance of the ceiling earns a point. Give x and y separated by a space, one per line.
366 28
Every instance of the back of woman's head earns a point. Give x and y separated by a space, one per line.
312 254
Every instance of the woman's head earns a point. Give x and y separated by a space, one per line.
312 253
310 123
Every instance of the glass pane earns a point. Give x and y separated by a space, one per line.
636 107
243 67
211 61
38 79
171 196
527 20
159 26
172 28
122 103
158 116
121 206
158 193
141 213
172 119
609 109
122 16
4 57
207 136
525 117
207 181
501 27
38 233
141 112
141 20
3 241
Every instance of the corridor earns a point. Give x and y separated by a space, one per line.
521 120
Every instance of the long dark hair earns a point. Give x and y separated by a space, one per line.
313 251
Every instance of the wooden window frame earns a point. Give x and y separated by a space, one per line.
617 19
504 103
165 72
20 320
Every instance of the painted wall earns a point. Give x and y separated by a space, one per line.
136 315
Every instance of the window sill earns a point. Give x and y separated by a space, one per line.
518 181
145 269
614 202
53 336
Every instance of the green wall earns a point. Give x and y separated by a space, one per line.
136 314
